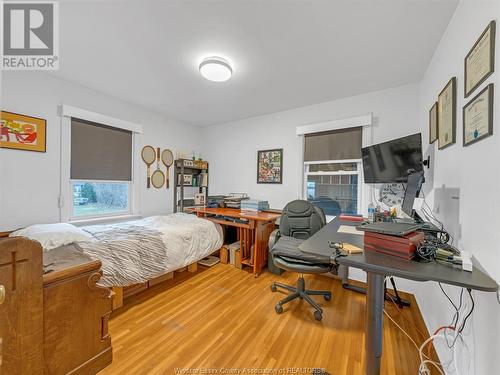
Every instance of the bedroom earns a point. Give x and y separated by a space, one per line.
132 73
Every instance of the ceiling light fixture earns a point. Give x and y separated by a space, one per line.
216 69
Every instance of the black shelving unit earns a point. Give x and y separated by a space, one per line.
188 167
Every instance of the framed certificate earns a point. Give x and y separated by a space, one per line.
478 116
479 63
447 114
433 123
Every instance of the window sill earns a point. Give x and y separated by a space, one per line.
104 220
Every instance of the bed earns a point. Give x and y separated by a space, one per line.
135 254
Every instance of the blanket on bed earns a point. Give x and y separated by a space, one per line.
137 251
130 254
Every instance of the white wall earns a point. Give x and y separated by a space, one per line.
474 171
30 181
231 148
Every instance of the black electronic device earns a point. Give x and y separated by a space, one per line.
389 228
413 187
393 161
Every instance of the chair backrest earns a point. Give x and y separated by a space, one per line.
301 219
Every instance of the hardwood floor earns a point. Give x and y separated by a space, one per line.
224 318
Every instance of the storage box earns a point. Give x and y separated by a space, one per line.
233 248
224 255
402 247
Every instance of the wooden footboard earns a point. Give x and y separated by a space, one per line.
120 293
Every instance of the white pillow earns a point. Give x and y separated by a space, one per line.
51 236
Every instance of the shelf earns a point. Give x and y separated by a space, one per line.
186 167
228 222
247 262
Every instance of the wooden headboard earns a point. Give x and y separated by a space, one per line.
5 234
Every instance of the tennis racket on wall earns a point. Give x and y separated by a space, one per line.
167 157
148 155
158 178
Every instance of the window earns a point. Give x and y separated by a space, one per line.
101 170
100 198
334 186
333 170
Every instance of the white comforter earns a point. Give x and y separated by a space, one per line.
187 238
132 255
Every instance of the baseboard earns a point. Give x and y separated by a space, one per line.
95 364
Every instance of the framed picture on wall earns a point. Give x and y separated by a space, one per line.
22 132
270 166
479 63
478 116
433 123
447 114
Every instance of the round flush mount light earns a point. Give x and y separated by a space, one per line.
216 69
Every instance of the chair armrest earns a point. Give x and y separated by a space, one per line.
273 238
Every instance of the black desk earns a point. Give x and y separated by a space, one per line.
377 267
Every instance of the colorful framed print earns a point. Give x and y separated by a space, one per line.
479 63
478 116
433 123
447 115
22 132
270 166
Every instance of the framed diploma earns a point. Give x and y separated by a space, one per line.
478 116
447 114
479 63
433 123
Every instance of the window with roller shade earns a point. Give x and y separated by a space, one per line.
332 167
101 170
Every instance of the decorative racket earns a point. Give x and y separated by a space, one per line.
167 157
148 155
158 178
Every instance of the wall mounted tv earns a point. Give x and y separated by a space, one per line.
394 160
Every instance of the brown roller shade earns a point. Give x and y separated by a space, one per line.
333 145
100 152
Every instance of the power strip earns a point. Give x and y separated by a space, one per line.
466 261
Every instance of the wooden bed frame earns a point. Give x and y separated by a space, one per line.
120 293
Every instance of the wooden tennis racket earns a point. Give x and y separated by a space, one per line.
167 157
148 155
158 178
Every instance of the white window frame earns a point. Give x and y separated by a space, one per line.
66 185
359 173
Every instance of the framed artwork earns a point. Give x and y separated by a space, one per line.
479 63
447 114
433 123
22 132
478 116
270 166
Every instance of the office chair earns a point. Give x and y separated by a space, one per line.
299 221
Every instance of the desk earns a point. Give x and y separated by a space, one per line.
255 232
377 267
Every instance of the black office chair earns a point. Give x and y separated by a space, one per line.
299 221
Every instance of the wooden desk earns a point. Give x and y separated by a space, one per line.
255 232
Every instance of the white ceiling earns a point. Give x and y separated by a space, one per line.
285 54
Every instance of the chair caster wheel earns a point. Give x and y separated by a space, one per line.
327 297
318 315
278 308
273 288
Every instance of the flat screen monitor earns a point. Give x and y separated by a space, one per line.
413 186
394 160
